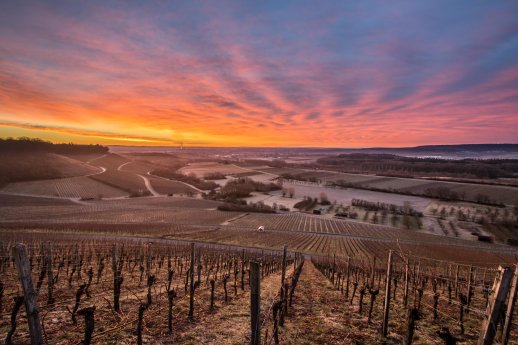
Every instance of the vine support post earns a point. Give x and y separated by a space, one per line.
456 279
255 302
116 280
24 273
510 308
348 269
405 294
495 307
283 272
470 279
386 306
372 272
191 284
50 276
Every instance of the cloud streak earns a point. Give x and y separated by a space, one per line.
292 74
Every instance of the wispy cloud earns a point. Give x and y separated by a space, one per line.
281 73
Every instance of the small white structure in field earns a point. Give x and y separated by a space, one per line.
261 228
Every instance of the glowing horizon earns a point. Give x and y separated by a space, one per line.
341 74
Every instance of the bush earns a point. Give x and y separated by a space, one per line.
352 215
244 207
214 176
242 188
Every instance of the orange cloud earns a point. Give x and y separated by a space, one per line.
253 75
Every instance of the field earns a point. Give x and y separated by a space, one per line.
24 201
418 186
344 196
73 187
84 217
167 291
156 215
202 169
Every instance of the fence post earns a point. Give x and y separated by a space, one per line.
456 279
116 280
50 276
372 273
470 278
283 272
347 277
191 286
255 302
405 294
495 306
510 308
24 273
386 306
334 269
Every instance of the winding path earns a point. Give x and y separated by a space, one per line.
149 186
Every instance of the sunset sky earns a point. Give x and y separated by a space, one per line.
260 73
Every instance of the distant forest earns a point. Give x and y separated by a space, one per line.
393 165
34 145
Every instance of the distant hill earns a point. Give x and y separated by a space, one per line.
26 159
482 151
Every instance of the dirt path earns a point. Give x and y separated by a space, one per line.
321 315
317 314
231 323
149 186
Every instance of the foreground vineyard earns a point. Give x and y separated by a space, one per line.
114 283
103 290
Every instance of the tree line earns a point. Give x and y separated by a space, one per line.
35 145
411 166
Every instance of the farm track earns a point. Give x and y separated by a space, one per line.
229 324
318 312
149 186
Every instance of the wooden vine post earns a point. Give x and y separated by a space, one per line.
283 286
510 308
117 280
470 293
495 307
255 302
372 272
405 293
348 269
386 306
50 276
456 279
191 286
283 272
24 273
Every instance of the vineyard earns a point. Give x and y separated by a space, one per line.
309 223
73 187
101 292
85 289
314 243
160 216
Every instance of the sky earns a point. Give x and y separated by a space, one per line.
260 73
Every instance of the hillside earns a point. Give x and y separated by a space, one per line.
32 159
